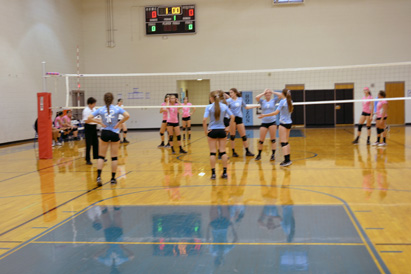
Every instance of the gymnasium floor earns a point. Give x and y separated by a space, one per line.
339 208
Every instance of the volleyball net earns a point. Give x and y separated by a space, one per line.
338 89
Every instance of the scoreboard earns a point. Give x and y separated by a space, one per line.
177 19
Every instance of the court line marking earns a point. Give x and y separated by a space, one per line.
198 243
372 251
383 251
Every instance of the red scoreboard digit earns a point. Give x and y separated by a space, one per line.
164 20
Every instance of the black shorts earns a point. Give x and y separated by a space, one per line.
172 124
267 125
365 114
287 126
108 135
186 118
385 118
238 120
164 122
226 121
217 134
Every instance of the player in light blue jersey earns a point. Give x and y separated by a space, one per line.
236 105
110 133
268 124
285 108
216 130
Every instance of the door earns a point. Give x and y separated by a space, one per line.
319 114
396 109
198 93
77 99
297 95
344 113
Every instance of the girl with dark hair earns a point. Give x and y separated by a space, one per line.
235 102
172 122
285 108
90 130
382 115
216 130
163 127
268 124
109 134
187 112
123 126
366 115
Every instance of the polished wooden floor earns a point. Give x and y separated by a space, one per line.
371 184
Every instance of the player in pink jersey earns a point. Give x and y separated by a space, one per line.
172 122
186 120
367 111
381 120
163 127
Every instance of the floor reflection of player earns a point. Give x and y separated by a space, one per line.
121 163
271 218
222 231
237 209
382 182
114 254
367 173
172 179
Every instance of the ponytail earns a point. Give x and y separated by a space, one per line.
108 99
287 95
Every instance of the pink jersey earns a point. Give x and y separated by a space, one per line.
165 112
186 111
172 116
58 123
67 119
366 106
380 108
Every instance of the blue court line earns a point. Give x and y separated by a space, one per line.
38 227
390 251
368 241
363 211
4 248
379 228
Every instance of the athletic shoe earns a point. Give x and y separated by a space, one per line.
284 163
161 145
89 163
125 141
248 153
183 151
184 137
382 144
258 158
224 176
235 154
368 143
53 144
121 142
375 144
99 183
355 142
212 177
168 145
58 144
113 181
272 157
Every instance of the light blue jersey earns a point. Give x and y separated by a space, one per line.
236 106
109 119
285 115
209 112
266 108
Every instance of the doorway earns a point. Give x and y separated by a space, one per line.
297 95
77 99
344 113
396 109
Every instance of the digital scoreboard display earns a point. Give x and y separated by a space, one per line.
170 19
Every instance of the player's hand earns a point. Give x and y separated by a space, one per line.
260 116
117 126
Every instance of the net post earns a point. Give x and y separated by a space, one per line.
43 65
44 125
67 91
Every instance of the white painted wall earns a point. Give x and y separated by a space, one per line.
32 32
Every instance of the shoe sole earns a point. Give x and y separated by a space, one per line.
286 164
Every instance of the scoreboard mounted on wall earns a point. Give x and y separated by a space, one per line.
164 20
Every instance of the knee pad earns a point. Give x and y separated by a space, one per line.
183 128
178 137
284 144
359 127
213 154
189 128
261 142
125 132
244 138
232 137
382 130
161 134
369 127
222 153
113 158
75 129
101 157
170 138
273 141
